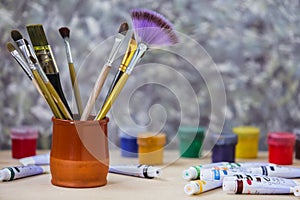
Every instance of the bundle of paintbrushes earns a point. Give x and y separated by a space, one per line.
150 29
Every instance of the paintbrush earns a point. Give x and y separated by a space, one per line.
20 42
105 70
65 34
132 45
153 29
35 66
36 79
46 59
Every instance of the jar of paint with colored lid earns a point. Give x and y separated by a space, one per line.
190 141
224 147
281 147
24 141
151 148
248 140
297 145
128 142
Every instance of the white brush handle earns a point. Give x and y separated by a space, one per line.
96 91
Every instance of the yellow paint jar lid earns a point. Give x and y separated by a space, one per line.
246 130
151 139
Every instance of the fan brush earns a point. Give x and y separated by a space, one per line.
151 29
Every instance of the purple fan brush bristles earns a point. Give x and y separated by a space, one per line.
152 28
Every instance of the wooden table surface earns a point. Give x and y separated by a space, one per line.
168 186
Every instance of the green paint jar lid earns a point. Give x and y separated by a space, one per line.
188 131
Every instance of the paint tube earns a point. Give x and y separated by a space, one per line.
244 186
193 172
262 178
144 171
200 186
218 173
43 159
12 173
278 171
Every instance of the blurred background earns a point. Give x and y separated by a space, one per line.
255 46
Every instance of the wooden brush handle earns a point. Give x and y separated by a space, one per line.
112 97
75 88
96 91
47 95
55 81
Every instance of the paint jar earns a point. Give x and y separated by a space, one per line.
151 148
281 147
224 147
128 142
190 141
79 155
297 145
248 139
23 141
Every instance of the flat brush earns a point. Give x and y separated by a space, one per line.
124 64
46 59
65 34
37 80
152 29
23 65
34 66
104 72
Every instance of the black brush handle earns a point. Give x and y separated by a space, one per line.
55 81
113 84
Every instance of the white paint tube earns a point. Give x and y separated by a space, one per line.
43 159
12 173
244 186
278 171
200 186
220 172
144 171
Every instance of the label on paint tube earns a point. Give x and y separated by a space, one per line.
144 171
200 186
262 178
218 173
278 171
12 173
43 159
246 186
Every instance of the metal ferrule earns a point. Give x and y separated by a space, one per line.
138 54
23 49
115 49
128 55
23 64
68 50
41 73
46 59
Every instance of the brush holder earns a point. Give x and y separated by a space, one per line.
79 155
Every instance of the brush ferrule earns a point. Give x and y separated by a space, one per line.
22 63
44 55
41 72
138 54
23 49
68 50
128 55
117 44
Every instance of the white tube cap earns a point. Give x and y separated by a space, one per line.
153 171
189 174
229 186
297 191
190 188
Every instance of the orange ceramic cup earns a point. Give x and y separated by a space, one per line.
79 155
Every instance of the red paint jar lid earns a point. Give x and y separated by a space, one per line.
24 132
281 138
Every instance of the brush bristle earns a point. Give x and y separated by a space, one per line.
64 32
123 28
153 28
16 35
37 35
10 47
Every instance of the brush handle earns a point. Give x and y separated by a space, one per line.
113 84
96 91
47 95
112 97
58 101
55 81
75 88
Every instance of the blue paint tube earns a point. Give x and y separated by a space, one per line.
12 173
43 159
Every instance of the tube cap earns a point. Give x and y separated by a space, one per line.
191 188
153 171
297 191
229 186
189 174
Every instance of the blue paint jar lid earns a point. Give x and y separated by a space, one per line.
225 139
